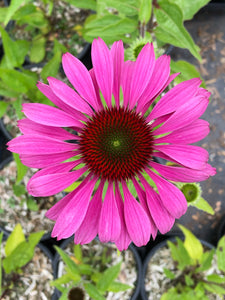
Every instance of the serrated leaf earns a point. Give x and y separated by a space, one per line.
52 67
116 287
206 261
68 261
108 277
179 254
192 244
145 11
171 30
220 252
93 291
187 71
21 169
14 239
191 7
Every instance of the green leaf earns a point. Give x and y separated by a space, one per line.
14 51
216 278
206 261
187 71
14 6
168 273
3 13
34 238
108 276
192 244
190 8
24 11
15 238
188 280
7 92
202 204
52 67
17 105
19 190
1 237
37 51
126 8
64 279
214 288
220 252
21 169
93 291
68 261
179 254
17 81
31 204
3 107
170 28
36 19
87 4
145 11
116 287
104 26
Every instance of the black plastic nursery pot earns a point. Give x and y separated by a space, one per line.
136 293
155 248
5 155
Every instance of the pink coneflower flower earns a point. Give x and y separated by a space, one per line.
102 135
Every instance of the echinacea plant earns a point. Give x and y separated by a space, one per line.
103 137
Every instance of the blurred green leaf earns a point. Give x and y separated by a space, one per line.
93 291
78 252
21 169
179 254
168 273
3 107
52 67
145 11
108 276
7 92
186 70
13 7
214 288
126 8
192 244
202 204
37 51
104 26
206 261
36 19
190 8
14 51
170 28
116 287
14 239
31 204
1 237
3 13
68 261
216 278
19 190
17 105
24 11
220 252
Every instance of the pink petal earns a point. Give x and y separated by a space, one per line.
143 200
173 99
190 156
89 227
46 90
51 184
172 198
45 160
127 74
117 52
74 212
137 220
181 174
185 115
38 144
69 96
27 126
103 68
80 78
142 73
54 212
162 219
189 134
159 78
124 240
48 115
109 223
92 74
